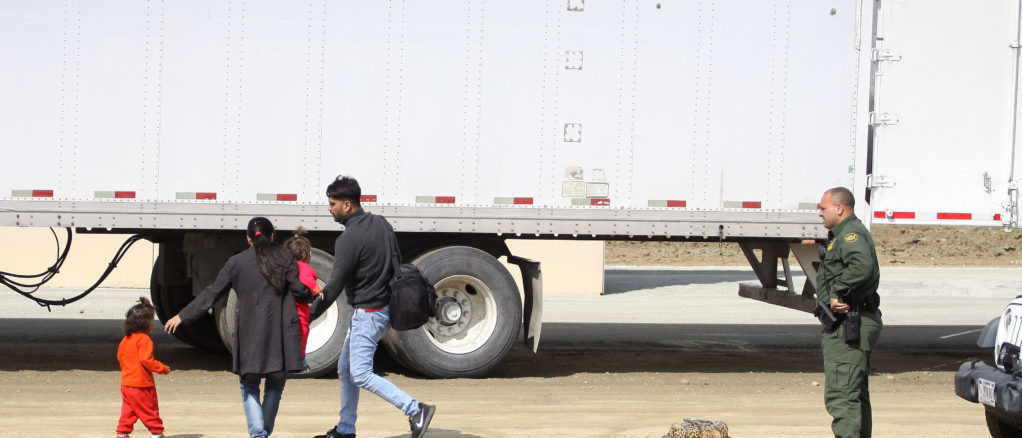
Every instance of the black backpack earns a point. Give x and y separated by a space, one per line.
412 296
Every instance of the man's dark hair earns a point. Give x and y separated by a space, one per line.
345 188
843 196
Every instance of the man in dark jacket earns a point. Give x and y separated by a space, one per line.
363 266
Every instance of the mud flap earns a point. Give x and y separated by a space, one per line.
532 281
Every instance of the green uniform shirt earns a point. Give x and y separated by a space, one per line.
849 270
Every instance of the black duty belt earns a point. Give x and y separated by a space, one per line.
870 304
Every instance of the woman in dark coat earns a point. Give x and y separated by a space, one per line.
267 341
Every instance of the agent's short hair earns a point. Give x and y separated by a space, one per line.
345 188
843 196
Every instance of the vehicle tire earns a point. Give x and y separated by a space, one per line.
999 428
326 333
485 318
169 300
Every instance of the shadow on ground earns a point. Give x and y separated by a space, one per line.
565 349
442 433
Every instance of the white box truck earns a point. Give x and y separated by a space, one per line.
469 122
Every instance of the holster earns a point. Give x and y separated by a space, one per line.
827 318
872 303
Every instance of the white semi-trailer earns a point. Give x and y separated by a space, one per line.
471 122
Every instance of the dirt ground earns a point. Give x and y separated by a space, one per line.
896 246
49 388
759 394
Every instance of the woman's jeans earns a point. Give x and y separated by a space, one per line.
260 416
355 368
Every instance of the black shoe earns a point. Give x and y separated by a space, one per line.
420 421
333 433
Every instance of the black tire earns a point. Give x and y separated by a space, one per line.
225 312
326 333
169 300
485 332
1001 427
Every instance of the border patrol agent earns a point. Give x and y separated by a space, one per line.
847 283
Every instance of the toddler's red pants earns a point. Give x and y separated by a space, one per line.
139 404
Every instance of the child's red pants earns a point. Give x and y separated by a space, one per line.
139 404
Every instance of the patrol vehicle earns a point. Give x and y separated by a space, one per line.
472 122
997 387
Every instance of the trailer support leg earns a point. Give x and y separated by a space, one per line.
780 291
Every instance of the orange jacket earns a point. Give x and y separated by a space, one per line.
137 363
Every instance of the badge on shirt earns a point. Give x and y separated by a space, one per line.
831 246
851 237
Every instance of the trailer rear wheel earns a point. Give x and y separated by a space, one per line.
169 300
479 315
326 333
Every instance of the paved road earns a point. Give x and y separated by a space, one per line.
654 308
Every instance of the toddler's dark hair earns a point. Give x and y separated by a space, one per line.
299 245
139 317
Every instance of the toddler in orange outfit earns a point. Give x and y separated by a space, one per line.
138 390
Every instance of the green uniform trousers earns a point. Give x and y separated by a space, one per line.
846 367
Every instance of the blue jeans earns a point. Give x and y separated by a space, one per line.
355 368
260 416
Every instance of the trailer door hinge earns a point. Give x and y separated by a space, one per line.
885 55
879 182
1010 217
886 119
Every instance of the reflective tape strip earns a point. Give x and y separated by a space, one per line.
743 204
591 201
894 215
808 205
276 197
512 200
106 194
196 195
934 216
367 198
666 203
31 193
434 199
955 216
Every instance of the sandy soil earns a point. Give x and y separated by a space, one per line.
553 394
896 246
